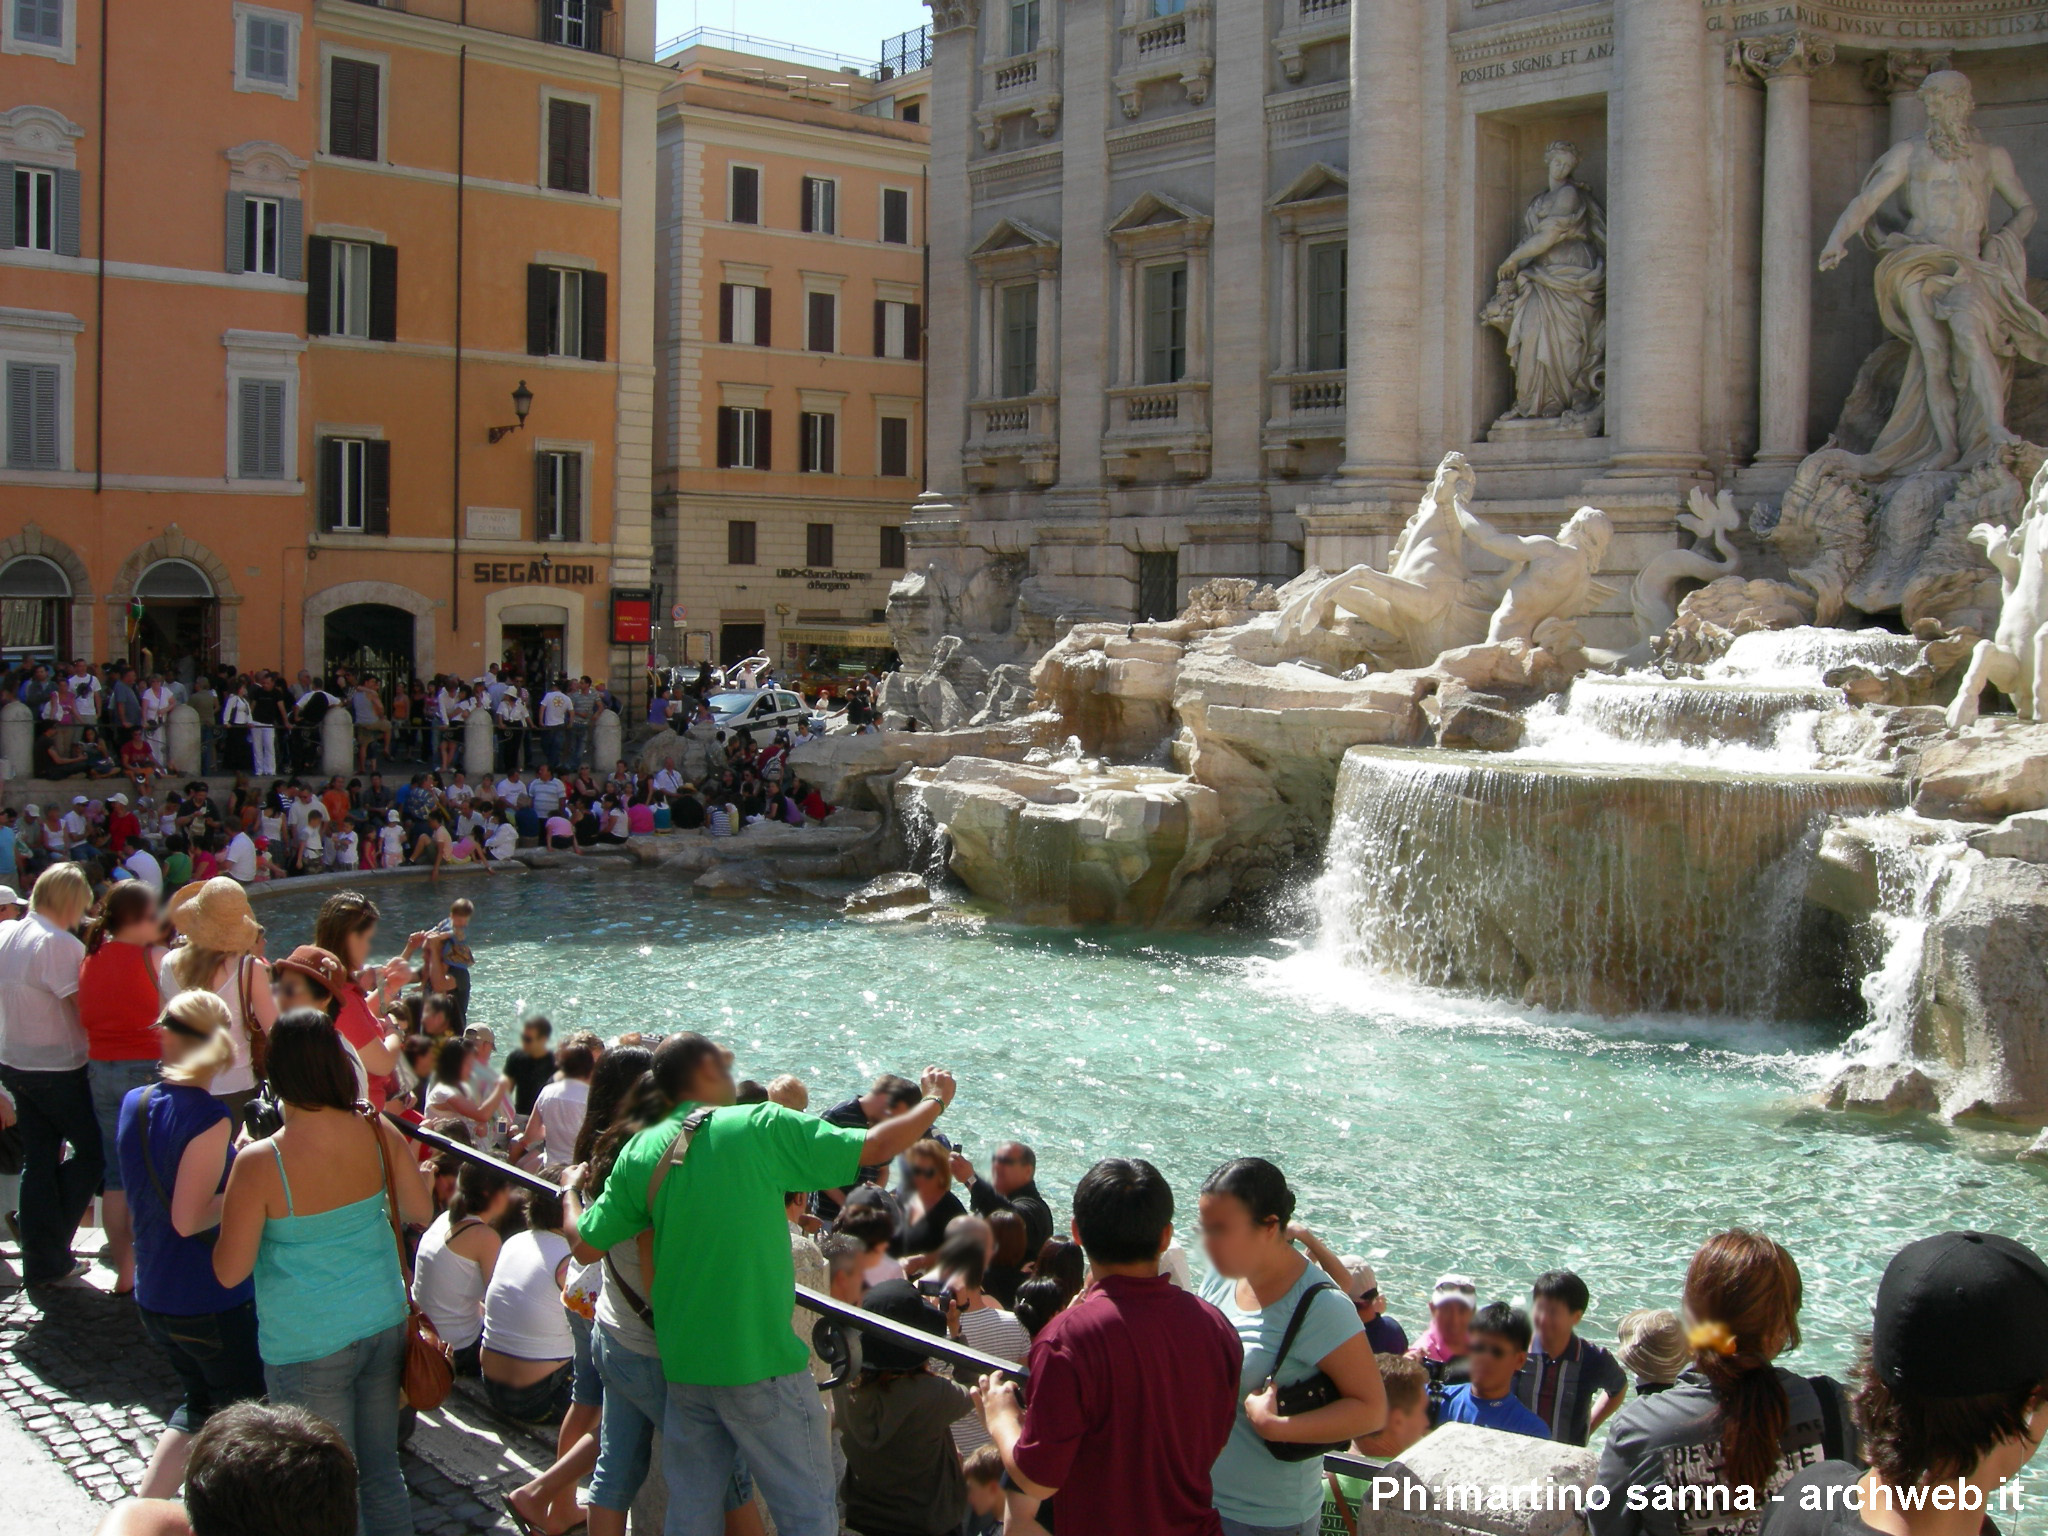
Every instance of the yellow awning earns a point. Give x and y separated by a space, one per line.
860 636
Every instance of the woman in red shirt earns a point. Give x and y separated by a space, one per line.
346 927
118 1004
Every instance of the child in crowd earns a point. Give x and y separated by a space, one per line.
391 841
341 848
984 1470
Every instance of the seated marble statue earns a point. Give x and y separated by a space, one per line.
1549 578
1948 285
1550 304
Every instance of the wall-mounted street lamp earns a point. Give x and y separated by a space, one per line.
522 402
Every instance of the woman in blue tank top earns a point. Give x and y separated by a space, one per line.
173 1138
305 1212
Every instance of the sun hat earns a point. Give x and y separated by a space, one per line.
1363 1278
391 816
215 914
117 798
31 810
1453 1288
1651 1345
321 966
80 800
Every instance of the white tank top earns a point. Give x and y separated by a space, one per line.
448 1287
523 1312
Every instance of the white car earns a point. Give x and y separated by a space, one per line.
761 710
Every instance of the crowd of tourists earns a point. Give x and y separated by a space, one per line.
291 1253
166 833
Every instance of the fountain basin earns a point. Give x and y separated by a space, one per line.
1590 888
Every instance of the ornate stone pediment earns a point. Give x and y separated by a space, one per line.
261 166
1156 212
1320 189
38 135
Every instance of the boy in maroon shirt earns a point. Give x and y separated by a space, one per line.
1133 1388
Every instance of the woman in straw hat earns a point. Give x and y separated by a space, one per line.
174 1145
222 953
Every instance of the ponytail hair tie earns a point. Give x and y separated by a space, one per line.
1712 1337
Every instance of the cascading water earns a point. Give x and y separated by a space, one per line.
1644 850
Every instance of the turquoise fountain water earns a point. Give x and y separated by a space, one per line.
1426 1132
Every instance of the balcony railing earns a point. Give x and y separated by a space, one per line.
1023 85
1308 24
1020 432
1156 49
1153 418
1020 76
905 53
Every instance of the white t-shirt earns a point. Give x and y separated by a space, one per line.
240 855
560 1107
141 865
554 708
523 1312
345 850
508 792
391 839
39 1028
667 781
504 839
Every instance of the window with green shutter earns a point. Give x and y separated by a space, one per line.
1326 277
1166 323
34 416
260 428
1020 340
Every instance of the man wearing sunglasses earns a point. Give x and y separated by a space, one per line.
1012 1185
1500 1345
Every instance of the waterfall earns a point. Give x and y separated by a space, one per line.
1916 884
926 848
1596 888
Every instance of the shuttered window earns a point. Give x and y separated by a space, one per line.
354 87
35 209
267 50
565 312
821 322
743 440
897 328
1020 340
260 428
895 216
1326 277
739 543
40 22
820 206
818 546
558 496
817 442
743 314
265 235
894 554
34 416
1166 325
743 204
895 445
568 145
355 485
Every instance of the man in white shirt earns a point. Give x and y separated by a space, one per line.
667 781
546 792
555 710
77 826
508 791
43 1053
141 865
241 858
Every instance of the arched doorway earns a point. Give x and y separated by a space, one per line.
371 640
35 611
174 620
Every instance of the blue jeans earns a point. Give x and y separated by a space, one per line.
356 1390
110 1081
54 1108
1308 1527
215 1357
585 1388
551 746
778 1426
635 1404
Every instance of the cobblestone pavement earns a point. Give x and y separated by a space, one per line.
79 1375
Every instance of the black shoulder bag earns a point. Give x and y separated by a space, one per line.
1304 1396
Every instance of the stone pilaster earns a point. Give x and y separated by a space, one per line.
1657 245
1239 350
1785 63
949 303
1384 344
1087 45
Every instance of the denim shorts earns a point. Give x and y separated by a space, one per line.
586 1390
110 1082
215 1357
543 1402
635 1403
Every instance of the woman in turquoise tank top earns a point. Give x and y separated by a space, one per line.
305 1212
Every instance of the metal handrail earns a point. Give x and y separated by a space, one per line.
960 1356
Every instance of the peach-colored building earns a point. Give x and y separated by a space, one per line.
790 274
253 419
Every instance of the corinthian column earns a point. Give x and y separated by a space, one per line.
1656 213
1384 326
1785 63
951 295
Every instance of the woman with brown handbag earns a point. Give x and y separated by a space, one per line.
313 1213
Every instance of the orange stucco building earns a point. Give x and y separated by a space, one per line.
297 259
790 281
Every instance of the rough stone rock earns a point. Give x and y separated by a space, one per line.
1468 718
1887 1088
1455 1460
684 752
1710 619
729 880
1065 846
2037 1150
852 770
888 893
1986 967
1997 767
1111 689
2022 836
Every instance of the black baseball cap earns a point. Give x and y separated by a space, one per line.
1963 1314
899 1302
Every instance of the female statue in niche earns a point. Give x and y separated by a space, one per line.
1551 300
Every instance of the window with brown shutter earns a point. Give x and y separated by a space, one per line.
895 216
818 546
743 203
895 446
739 543
353 90
568 145
821 310
895 553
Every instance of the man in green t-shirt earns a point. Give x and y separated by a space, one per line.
739 1378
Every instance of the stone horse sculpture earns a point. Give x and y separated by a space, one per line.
2015 660
1427 596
